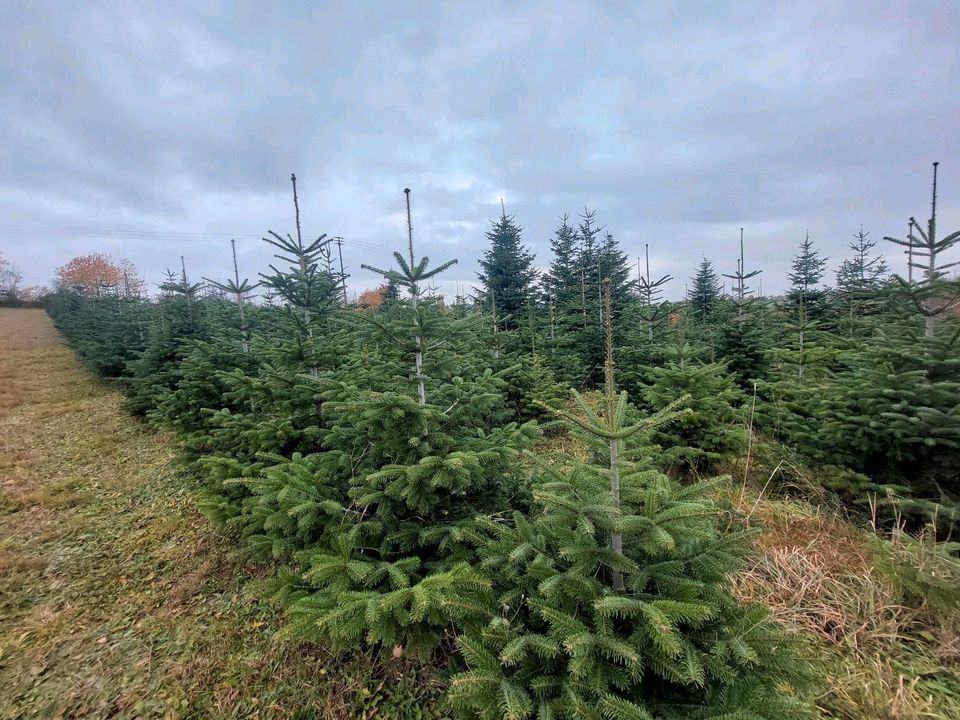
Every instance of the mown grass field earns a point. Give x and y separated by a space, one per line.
118 599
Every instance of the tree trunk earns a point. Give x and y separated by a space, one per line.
421 393
616 540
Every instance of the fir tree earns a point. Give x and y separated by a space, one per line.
507 272
741 339
410 276
611 599
179 321
807 270
600 257
652 310
891 413
561 291
417 470
241 291
860 277
935 295
614 265
704 292
712 431
306 290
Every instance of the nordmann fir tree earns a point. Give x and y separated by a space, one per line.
892 410
179 320
806 305
561 291
241 290
741 339
599 257
800 356
270 407
410 276
507 273
714 428
704 291
647 331
653 311
935 295
205 375
807 269
307 290
860 278
612 599
419 467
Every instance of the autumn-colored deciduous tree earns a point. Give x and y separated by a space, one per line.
372 298
96 275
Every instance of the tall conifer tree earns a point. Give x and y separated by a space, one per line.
807 270
704 291
507 273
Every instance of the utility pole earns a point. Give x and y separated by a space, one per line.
186 285
343 277
236 283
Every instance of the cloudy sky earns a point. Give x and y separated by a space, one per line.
154 130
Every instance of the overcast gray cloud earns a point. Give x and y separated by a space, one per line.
151 131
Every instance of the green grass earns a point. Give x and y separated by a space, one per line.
117 598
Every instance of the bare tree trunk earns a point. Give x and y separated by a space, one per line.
616 539
421 392
415 295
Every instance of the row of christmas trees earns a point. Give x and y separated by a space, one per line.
861 379
387 460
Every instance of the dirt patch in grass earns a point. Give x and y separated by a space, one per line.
117 597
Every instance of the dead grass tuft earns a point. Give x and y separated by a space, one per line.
819 575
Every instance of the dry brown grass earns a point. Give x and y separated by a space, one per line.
819 577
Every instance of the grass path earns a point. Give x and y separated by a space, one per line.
117 598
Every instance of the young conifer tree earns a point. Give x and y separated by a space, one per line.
806 299
713 431
241 291
307 290
704 291
411 276
611 598
178 321
390 566
653 311
935 295
561 291
645 339
507 273
807 270
741 342
860 278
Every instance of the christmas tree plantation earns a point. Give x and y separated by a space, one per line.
386 459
